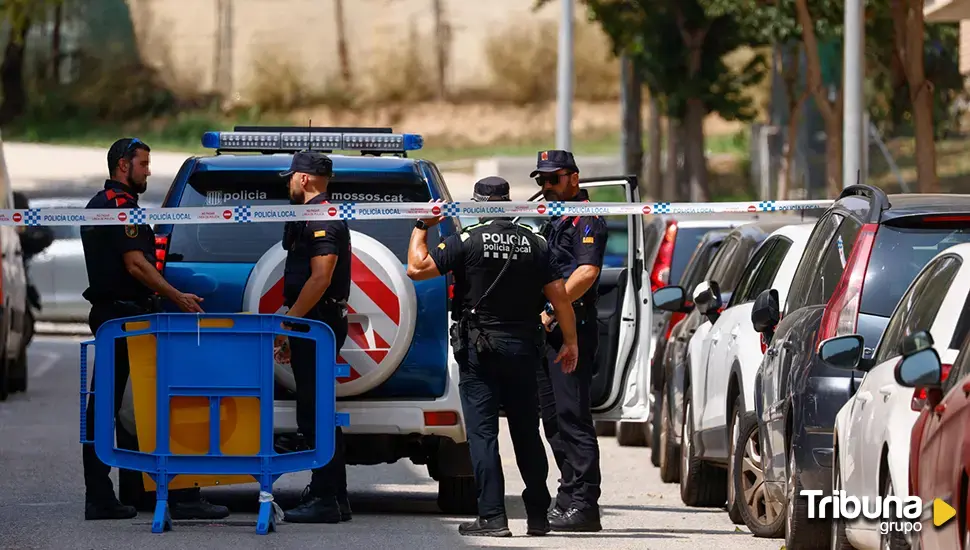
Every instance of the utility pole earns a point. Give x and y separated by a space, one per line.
853 74
564 91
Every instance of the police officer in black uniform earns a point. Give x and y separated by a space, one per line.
316 285
123 281
501 272
578 244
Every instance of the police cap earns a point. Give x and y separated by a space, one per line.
492 188
310 162
553 161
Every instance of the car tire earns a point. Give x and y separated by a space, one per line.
631 434
733 506
655 430
701 483
458 495
763 518
801 533
893 540
17 373
839 540
669 453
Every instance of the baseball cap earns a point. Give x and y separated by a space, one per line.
491 188
551 161
310 162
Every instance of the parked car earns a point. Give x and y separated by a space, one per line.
722 360
725 270
872 430
693 274
59 272
939 457
863 254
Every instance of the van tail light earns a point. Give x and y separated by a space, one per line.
764 344
842 312
660 274
451 291
161 250
919 394
675 318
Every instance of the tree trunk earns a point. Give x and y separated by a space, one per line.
695 154
671 170
795 100
56 55
442 43
833 157
12 76
342 53
632 134
654 181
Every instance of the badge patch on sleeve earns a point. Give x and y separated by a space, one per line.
587 240
321 233
131 231
441 246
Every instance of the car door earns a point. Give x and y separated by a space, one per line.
623 309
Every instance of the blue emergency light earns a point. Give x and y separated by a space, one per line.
292 139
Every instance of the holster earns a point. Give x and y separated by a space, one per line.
473 334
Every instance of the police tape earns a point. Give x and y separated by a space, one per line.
246 213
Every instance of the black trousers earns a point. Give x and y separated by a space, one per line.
504 378
97 483
330 480
568 421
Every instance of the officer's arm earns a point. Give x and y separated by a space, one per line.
321 272
147 274
423 264
589 248
555 292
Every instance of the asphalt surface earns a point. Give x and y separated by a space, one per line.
41 493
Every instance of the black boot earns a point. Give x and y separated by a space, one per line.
108 508
482 527
345 512
555 512
197 508
587 520
315 510
537 526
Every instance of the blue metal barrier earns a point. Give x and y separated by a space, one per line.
215 362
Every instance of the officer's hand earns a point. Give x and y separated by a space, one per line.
431 222
547 321
568 356
188 303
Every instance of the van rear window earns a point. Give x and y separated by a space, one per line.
247 242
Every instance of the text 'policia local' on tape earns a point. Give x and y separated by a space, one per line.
380 211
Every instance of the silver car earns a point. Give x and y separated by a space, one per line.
59 272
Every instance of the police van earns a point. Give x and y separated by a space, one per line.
402 392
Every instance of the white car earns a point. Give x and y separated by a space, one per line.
725 352
872 430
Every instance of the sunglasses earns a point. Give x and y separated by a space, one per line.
550 179
131 147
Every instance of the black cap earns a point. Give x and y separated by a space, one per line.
310 162
551 161
492 188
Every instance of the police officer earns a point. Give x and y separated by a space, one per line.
123 281
316 285
577 244
501 272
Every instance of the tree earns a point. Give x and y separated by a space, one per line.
679 47
19 16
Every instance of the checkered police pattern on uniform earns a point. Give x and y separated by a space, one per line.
766 206
661 208
136 216
347 210
242 213
32 216
451 209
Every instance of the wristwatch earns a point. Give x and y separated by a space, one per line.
420 224
549 309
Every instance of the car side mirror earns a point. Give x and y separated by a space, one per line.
707 298
915 343
765 313
670 298
922 369
842 352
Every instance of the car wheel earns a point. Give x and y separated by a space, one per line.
669 454
893 540
839 539
458 495
630 434
701 484
655 430
18 373
733 505
763 516
800 532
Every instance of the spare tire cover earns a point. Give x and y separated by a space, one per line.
381 317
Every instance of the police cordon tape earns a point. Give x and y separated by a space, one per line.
380 211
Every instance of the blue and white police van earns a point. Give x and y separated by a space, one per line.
402 393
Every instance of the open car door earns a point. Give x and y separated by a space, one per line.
619 388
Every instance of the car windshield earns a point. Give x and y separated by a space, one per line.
897 257
247 242
684 245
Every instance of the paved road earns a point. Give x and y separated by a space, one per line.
41 493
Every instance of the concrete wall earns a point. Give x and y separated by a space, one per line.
183 36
